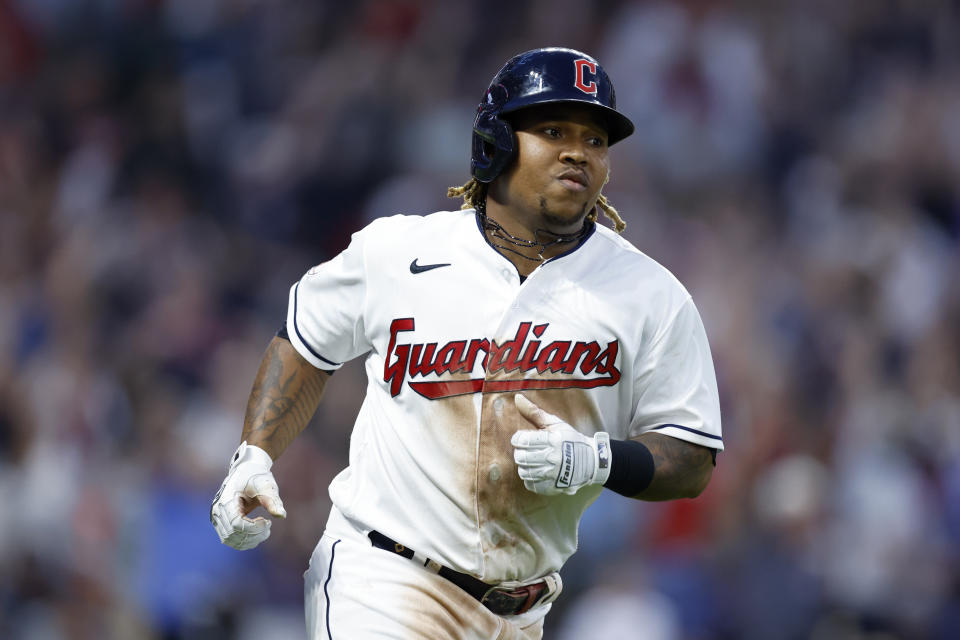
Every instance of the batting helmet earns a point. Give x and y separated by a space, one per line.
540 76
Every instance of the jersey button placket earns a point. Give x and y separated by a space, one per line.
493 471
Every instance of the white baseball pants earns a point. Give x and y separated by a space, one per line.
354 591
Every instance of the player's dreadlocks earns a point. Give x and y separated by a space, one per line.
474 196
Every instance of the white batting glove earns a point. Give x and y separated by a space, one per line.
249 482
555 458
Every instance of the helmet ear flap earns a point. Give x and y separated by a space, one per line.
493 140
493 147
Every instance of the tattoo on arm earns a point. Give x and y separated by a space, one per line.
682 469
285 396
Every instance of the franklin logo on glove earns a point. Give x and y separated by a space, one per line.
556 458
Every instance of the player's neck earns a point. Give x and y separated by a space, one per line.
526 221
527 241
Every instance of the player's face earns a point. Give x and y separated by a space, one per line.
561 166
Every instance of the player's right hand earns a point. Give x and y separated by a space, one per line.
249 483
555 458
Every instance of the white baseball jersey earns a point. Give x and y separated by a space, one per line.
602 336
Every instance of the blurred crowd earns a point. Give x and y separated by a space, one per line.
169 167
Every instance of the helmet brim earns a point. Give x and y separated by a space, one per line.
618 125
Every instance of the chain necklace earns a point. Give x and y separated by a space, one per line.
497 232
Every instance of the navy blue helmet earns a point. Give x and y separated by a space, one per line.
541 76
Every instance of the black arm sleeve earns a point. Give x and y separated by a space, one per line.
631 467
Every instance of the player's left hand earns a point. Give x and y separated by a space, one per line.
555 458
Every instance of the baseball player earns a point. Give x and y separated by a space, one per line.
521 358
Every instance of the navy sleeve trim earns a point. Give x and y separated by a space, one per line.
696 431
296 291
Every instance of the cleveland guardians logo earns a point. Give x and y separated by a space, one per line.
560 360
583 66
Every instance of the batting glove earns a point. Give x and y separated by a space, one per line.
555 458
249 482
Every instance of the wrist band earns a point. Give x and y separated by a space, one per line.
631 467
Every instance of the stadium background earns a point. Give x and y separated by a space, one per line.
169 167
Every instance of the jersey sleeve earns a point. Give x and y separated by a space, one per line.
676 385
325 312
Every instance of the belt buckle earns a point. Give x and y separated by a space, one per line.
532 594
485 598
496 600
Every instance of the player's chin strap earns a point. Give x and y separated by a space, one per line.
497 232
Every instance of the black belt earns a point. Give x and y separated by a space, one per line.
500 600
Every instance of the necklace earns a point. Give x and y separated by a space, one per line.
496 232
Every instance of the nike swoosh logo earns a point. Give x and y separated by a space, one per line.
420 268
